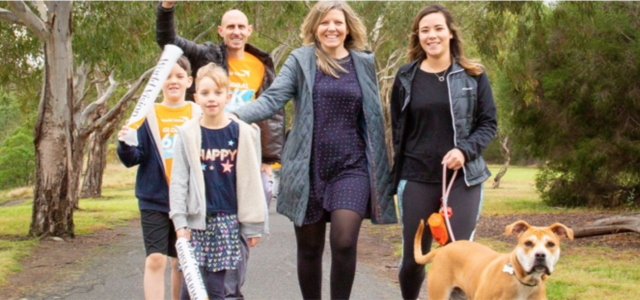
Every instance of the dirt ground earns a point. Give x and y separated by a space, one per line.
56 261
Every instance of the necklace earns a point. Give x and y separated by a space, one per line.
441 78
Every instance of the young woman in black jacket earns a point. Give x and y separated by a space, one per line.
443 114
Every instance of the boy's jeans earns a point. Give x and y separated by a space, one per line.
234 279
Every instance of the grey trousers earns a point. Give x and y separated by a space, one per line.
234 279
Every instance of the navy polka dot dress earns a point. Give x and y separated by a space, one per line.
338 173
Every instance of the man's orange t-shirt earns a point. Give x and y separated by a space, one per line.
245 76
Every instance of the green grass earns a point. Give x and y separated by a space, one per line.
517 195
590 272
116 207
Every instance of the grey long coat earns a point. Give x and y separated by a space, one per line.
295 81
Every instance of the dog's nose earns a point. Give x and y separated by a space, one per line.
541 256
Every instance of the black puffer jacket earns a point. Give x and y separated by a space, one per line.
474 119
271 130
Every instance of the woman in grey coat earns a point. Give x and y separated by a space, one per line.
335 166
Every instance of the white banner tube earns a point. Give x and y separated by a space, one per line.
169 57
190 271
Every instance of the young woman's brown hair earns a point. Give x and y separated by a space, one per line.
356 40
455 47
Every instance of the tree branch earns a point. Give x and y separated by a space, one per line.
9 16
85 93
124 102
79 82
31 20
278 52
109 127
102 100
42 9
201 35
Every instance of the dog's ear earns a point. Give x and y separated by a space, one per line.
517 228
562 231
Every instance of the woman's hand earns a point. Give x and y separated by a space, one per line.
454 160
183 232
253 241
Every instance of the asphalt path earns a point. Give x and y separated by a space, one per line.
116 271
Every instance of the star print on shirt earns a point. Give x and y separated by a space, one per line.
231 143
203 167
227 167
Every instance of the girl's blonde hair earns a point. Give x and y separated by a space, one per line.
216 73
356 39
456 47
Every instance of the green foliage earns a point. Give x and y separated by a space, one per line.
575 100
17 159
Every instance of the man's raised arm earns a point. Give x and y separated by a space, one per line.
166 31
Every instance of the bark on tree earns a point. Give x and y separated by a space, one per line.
97 160
105 124
52 204
56 134
612 225
507 159
85 119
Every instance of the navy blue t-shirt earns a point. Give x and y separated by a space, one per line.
218 157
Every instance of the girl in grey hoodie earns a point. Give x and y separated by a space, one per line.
216 188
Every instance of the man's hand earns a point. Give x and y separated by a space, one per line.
253 241
183 232
168 4
454 159
266 168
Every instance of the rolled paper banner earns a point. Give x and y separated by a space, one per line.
169 57
190 271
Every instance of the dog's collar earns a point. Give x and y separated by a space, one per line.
509 269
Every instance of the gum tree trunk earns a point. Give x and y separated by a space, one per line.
53 138
96 163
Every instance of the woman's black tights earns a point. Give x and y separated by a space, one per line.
343 237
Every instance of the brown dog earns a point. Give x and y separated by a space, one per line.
485 274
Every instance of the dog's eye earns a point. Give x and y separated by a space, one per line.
551 245
528 244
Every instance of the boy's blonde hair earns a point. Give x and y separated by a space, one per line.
216 73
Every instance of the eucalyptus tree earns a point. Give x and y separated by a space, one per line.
42 47
53 139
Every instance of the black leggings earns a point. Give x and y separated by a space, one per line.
418 201
343 237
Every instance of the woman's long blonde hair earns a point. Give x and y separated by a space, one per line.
356 39
416 52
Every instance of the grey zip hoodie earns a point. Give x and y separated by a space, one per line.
187 192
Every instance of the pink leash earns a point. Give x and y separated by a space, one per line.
445 197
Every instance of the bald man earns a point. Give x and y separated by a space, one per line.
251 72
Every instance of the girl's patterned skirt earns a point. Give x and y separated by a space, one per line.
218 247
